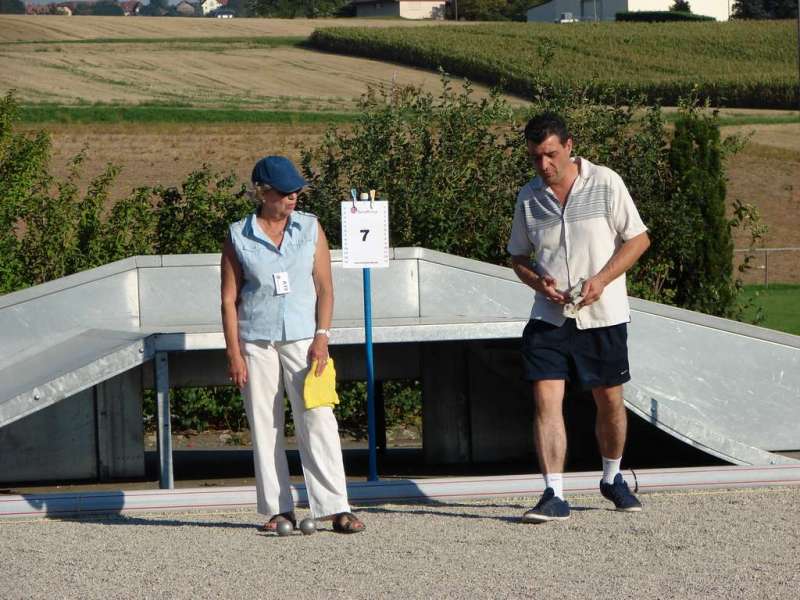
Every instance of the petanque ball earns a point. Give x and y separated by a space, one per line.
307 526
284 528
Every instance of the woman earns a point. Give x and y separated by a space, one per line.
277 305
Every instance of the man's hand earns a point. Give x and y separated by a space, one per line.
237 370
547 286
592 290
318 351
544 284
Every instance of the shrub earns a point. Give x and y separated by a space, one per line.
49 230
451 167
660 16
447 169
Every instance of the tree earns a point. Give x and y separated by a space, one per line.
239 7
681 6
765 9
483 10
156 8
12 7
696 157
106 8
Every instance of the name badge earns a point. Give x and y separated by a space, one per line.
281 280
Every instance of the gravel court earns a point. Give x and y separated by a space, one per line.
711 544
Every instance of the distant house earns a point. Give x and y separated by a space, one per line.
186 9
208 6
406 9
131 8
606 10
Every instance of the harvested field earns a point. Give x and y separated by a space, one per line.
22 28
164 154
766 173
199 75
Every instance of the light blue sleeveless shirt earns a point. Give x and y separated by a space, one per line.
263 314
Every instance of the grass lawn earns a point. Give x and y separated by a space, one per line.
780 303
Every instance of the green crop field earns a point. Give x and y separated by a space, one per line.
742 64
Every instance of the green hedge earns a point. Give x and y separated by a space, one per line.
659 16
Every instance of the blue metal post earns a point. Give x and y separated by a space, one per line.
373 456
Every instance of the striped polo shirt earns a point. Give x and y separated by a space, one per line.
577 240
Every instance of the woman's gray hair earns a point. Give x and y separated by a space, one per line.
253 192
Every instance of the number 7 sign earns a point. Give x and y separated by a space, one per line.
365 234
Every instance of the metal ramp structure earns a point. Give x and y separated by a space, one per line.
729 389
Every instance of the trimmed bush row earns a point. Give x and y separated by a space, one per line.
659 16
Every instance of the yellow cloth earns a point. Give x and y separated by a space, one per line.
320 391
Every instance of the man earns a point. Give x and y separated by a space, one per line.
584 232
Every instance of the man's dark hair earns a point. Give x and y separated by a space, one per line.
545 124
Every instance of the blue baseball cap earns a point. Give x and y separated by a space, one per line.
279 173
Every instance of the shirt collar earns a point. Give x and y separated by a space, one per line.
586 171
252 231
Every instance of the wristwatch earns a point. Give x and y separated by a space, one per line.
325 332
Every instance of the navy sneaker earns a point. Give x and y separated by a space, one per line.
549 508
620 495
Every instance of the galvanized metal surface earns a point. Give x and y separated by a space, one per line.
179 295
31 449
725 386
395 291
29 325
716 379
66 368
164 432
447 292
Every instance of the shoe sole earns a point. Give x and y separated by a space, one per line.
632 509
542 519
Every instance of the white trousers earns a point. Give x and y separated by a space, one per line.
273 367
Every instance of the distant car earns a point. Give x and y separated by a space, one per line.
223 13
566 17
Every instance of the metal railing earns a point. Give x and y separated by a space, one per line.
766 254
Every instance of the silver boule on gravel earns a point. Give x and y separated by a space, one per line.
308 526
283 528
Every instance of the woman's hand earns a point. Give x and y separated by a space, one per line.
319 351
237 370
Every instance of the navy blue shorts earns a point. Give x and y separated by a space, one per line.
588 357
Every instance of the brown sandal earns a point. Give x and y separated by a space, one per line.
347 522
272 525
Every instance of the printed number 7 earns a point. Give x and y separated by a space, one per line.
364 232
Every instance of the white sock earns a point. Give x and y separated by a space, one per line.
610 468
555 481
